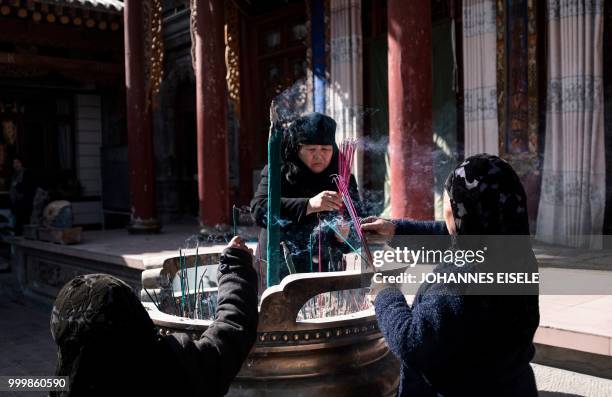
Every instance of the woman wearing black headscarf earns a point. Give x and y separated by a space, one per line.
107 344
453 342
309 196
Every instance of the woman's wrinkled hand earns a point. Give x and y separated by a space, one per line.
239 243
327 200
376 225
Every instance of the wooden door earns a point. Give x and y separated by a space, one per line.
281 65
273 58
185 149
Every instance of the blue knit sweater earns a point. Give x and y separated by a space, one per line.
456 345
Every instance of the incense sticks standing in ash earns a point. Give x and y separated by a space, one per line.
235 216
199 302
334 303
288 259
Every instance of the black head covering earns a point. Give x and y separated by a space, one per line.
488 200
103 333
310 129
487 197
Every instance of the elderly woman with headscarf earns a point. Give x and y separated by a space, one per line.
107 344
453 342
309 196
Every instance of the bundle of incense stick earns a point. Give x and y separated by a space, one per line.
343 188
345 159
346 154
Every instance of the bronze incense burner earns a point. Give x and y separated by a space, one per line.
334 356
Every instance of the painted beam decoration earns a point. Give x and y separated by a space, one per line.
79 13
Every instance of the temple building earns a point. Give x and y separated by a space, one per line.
62 100
421 84
145 113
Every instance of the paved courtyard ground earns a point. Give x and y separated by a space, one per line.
26 348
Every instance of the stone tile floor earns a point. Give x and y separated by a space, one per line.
26 347
117 247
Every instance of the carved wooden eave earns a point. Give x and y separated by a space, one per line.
101 15
24 66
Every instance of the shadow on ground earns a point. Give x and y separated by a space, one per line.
25 341
557 394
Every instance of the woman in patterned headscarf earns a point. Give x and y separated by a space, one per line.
456 341
107 344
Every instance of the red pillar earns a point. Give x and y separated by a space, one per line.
140 138
410 112
211 97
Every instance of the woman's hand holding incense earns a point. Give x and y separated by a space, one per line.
376 225
239 243
327 200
